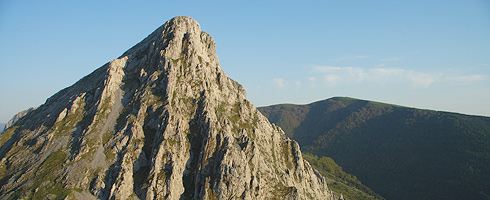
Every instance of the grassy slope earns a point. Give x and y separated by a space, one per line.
399 152
339 181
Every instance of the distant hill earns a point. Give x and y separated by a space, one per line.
2 125
399 152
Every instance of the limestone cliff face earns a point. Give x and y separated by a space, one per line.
163 121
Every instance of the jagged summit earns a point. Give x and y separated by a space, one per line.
175 29
163 121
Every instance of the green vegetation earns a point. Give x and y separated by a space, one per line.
47 172
286 153
173 142
399 152
69 122
47 184
5 136
339 181
281 191
235 114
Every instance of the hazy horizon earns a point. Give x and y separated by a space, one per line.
428 55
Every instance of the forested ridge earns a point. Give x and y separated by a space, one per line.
399 152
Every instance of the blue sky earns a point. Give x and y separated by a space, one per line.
423 54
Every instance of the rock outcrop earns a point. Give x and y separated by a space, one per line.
2 127
17 117
163 121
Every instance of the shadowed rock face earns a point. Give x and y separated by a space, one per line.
163 121
16 118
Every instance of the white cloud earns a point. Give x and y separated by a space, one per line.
280 82
385 74
331 79
312 81
470 78
334 75
338 73
325 69
387 71
420 79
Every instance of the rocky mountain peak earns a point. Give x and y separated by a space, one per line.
180 35
163 121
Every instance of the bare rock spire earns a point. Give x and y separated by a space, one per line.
163 121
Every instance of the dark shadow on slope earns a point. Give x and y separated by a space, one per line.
196 173
16 136
111 175
195 138
141 176
82 125
115 169
127 104
10 142
189 175
154 123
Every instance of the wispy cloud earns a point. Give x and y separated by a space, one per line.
333 75
421 79
331 79
280 82
470 78
336 74
283 83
